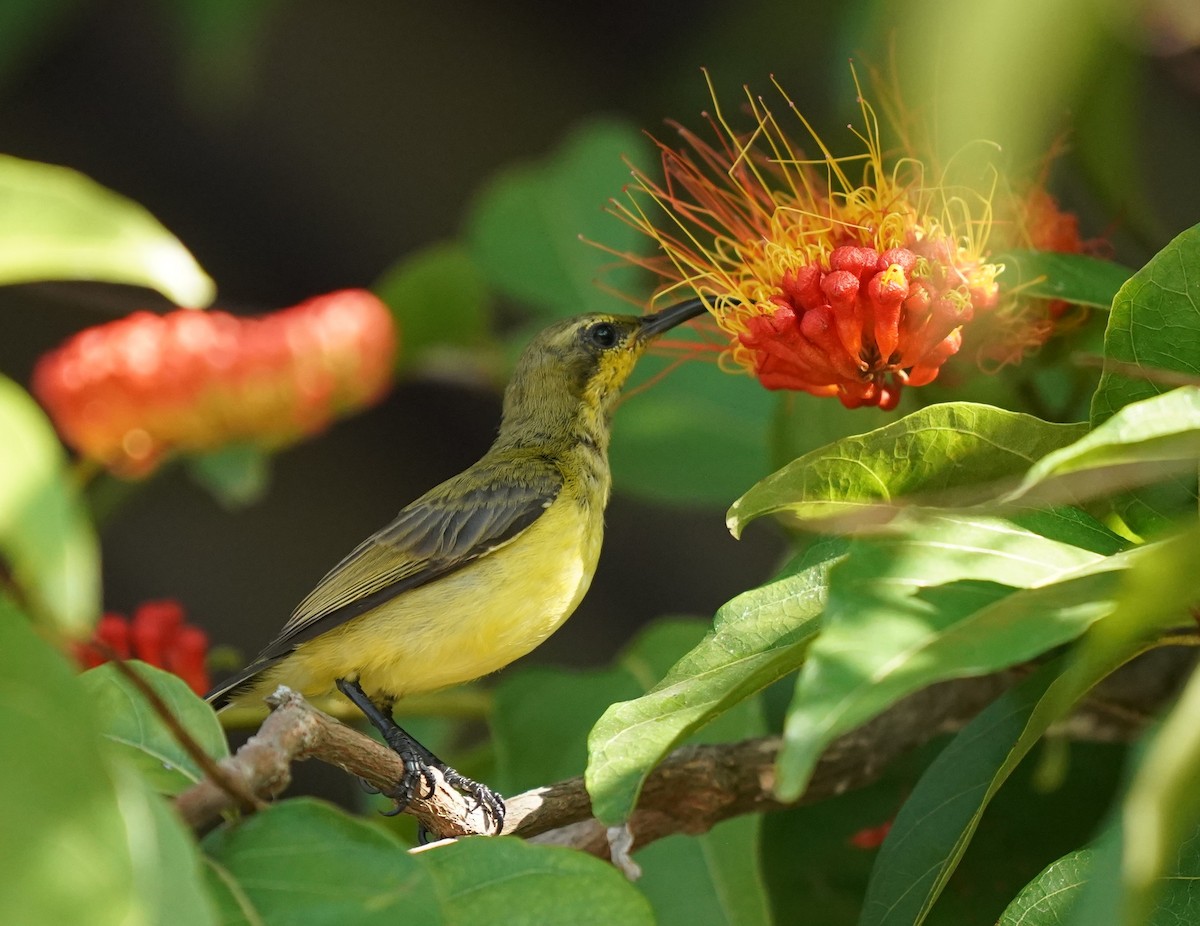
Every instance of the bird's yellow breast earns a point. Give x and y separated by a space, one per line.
461 626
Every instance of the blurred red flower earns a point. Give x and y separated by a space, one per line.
158 635
132 391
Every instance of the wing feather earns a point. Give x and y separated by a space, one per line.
453 524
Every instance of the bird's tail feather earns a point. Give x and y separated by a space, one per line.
220 696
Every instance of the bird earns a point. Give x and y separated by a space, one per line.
482 568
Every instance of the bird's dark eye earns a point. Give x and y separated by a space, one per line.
602 334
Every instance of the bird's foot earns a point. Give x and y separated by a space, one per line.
417 779
485 797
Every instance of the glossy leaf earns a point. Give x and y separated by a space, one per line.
935 449
482 881
138 734
82 843
1154 326
1046 900
1154 334
57 224
711 878
524 230
1103 899
1162 810
301 861
757 638
541 721
45 535
932 602
439 299
933 829
1140 443
1074 278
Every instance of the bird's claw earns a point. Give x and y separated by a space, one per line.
484 796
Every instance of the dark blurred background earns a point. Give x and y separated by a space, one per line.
298 147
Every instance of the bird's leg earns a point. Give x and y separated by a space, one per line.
418 760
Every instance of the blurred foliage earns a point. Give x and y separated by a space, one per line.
991 522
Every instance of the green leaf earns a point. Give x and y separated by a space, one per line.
1074 278
933 829
1154 326
137 732
45 535
935 449
542 715
1162 810
524 229
82 843
56 224
757 638
713 878
439 298
1153 336
301 861
695 437
483 881
1140 443
1102 900
937 822
932 601
1047 899
541 721
237 476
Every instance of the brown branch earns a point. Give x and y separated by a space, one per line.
691 791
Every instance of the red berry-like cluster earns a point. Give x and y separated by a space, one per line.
861 325
132 391
157 635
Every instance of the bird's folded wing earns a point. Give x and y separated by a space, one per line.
448 527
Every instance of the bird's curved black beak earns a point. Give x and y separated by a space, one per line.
670 317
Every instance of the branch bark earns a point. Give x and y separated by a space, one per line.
692 790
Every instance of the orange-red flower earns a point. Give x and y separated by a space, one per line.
158 635
132 391
838 276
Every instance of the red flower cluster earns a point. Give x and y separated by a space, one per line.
843 319
835 282
132 391
158 635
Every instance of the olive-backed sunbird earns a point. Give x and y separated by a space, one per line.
480 569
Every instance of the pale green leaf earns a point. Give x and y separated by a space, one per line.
57 224
524 230
757 638
139 735
82 841
45 535
934 601
952 446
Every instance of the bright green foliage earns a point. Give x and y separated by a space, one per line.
306 861
541 720
56 224
439 299
137 732
1074 278
524 230
756 639
84 839
45 537
949 446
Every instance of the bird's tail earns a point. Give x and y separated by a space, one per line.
229 689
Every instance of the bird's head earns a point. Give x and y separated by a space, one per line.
573 370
